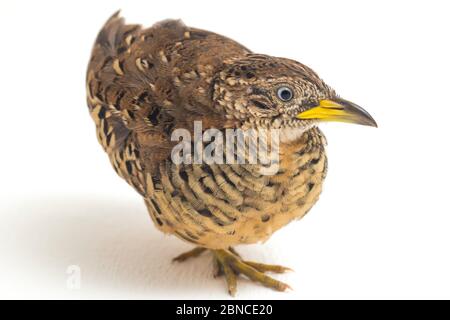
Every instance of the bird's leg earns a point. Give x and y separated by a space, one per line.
261 266
233 251
190 254
232 265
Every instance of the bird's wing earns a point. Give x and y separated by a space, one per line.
144 83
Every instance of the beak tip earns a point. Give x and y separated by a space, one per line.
372 122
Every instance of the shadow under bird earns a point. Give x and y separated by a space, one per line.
142 84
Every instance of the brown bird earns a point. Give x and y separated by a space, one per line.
143 84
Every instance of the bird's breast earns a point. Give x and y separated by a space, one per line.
222 205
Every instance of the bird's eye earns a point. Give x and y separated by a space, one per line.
285 94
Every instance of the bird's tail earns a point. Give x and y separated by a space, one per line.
113 35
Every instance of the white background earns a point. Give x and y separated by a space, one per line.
380 229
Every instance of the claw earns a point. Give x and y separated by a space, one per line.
230 277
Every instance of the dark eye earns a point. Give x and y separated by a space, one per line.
285 94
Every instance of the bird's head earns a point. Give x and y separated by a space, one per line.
260 91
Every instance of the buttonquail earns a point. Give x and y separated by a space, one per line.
142 84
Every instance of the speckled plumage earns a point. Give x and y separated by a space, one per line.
144 83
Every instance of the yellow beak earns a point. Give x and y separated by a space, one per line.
338 110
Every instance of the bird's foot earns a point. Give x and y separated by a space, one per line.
229 264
